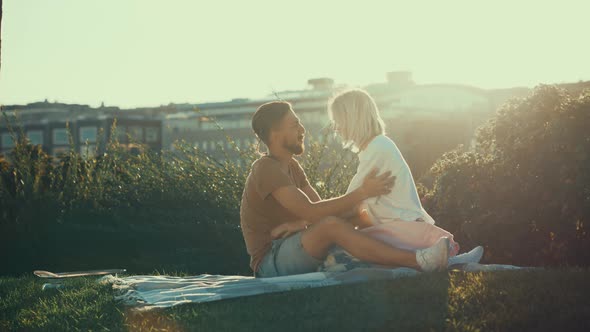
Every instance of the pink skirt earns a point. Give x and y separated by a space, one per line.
410 235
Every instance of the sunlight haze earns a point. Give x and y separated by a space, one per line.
148 53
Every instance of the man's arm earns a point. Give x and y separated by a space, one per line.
288 228
298 203
311 193
315 197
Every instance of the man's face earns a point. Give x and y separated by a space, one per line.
291 133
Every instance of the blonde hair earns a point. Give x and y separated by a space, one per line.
357 116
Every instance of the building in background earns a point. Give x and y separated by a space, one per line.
199 124
53 125
409 110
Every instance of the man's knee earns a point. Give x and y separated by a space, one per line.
318 238
330 223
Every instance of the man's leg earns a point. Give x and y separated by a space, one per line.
319 237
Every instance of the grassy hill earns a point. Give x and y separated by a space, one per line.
550 300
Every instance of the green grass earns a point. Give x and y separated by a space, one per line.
553 300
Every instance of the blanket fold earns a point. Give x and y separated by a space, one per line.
145 292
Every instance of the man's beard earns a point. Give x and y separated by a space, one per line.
296 149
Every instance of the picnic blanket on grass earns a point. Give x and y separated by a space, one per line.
146 292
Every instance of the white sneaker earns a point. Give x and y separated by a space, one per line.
473 256
434 258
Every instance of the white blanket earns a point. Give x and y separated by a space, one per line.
145 292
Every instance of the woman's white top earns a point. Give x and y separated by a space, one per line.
403 201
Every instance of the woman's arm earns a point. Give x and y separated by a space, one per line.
361 221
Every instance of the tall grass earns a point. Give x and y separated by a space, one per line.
131 202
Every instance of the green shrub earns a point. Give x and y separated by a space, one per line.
171 210
524 191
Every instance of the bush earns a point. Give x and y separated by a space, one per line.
524 191
146 210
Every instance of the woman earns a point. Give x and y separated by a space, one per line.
397 218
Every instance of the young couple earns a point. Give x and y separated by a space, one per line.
288 228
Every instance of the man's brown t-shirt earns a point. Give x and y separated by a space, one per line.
259 211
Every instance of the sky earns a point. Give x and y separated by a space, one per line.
131 53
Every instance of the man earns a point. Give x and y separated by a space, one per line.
278 203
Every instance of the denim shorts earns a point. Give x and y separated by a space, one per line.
287 257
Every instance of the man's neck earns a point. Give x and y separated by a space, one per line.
284 157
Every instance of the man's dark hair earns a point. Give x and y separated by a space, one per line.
267 117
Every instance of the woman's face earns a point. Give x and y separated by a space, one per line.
335 127
337 123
